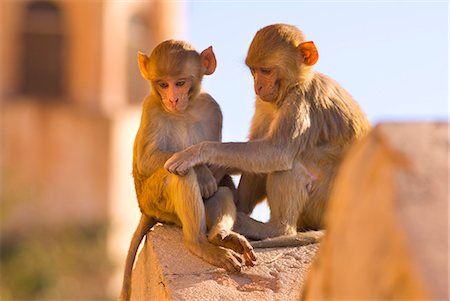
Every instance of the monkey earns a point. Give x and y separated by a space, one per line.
176 115
303 123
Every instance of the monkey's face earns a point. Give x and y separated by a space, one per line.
266 82
174 92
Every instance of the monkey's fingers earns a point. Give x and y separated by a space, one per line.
233 261
249 253
172 165
212 188
247 247
208 190
183 168
240 244
250 258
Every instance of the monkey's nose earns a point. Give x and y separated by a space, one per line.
174 100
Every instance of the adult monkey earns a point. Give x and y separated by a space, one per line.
174 116
303 123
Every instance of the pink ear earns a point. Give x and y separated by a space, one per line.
208 60
143 61
309 53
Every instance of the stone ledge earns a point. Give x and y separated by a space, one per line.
166 270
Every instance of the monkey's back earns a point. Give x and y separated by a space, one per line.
336 120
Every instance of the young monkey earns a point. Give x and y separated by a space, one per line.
175 116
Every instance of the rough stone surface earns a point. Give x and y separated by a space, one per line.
166 270
388 219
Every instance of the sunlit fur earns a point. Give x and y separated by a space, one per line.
196 202
295 146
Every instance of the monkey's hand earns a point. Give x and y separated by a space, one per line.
206 181
181 162
219 172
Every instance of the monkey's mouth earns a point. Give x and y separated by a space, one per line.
268 97
177 109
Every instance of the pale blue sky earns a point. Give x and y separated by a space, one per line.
391 56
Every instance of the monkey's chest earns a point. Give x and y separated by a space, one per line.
178 136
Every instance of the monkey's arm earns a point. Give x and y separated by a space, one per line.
147 155
149 160
286 139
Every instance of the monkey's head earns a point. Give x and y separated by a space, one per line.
279 57
175 70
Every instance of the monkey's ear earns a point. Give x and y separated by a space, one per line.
208 59
143 62
308 52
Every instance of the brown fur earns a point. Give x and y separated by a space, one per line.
297 138
196 202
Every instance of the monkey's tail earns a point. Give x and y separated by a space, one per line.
145 224
297 240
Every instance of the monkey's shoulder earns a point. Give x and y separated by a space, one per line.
335 112
206 100
327 95
327 87
205 107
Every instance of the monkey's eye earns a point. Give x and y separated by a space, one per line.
180 83
163 85
266 71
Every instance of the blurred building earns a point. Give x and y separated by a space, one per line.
70 94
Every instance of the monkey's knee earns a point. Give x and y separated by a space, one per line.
184 184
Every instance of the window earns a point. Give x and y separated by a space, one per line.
43 43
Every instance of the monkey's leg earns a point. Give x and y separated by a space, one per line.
312 216
257 230
286 194
220 217
184 192
289 198
251 191
254 229
227 181
296 240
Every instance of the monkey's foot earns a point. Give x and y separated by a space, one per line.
236 242
218 256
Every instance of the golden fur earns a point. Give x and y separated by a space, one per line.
296 141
